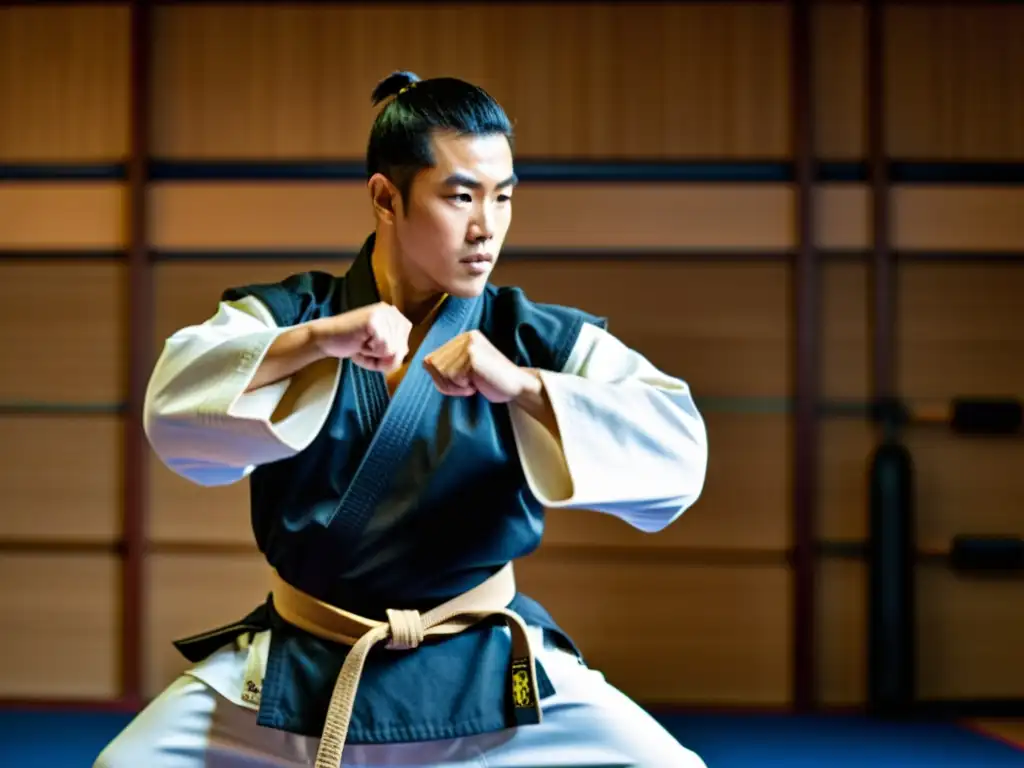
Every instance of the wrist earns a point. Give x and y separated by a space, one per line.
314 336
290 352
531 396
533 399
533 384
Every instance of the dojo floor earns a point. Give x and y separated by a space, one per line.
72 739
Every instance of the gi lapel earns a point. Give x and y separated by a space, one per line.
370 387
416 395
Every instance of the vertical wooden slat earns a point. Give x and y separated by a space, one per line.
806 295
883 320
140 318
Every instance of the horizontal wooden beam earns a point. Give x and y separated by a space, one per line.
690 555
701 255
542 170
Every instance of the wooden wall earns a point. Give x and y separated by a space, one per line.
697 275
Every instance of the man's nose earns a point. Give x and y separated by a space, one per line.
481 229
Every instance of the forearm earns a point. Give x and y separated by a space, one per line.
539 441
534 401
292 351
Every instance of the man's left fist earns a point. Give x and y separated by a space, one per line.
469 363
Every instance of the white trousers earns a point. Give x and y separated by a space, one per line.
586 724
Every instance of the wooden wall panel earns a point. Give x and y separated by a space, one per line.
966 486
64 83
181 512
841 618
595 216
838 60
230 215
61 216
61 329
60 637
842 216
954 89
707 634
964 218
258 216
639 80
728 330
60 478
962 485
656 216
188 594
952 83
845 349
845 449
959 330
970 636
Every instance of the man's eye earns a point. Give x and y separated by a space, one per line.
504 198
462 197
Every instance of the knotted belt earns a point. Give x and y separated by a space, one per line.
404 630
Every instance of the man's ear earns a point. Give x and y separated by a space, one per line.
384 197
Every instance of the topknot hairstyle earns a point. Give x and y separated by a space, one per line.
400 139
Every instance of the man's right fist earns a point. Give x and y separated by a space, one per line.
375 337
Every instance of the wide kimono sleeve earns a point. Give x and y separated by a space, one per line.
199 418
630 443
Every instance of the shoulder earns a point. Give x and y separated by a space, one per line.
531 333
295 299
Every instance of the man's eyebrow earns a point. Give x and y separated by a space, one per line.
461 180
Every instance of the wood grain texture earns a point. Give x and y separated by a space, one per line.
60 637
60 478
64 83
643 80
954 89
959 330
61 329
968 636
57 216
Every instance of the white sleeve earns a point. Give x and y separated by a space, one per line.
199 418
633 443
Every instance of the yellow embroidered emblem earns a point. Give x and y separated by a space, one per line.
522 688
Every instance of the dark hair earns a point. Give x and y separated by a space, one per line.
400 139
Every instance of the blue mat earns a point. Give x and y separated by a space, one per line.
836 742
72 740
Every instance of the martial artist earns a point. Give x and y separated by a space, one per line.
403 428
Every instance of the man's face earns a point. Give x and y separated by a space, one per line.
457 214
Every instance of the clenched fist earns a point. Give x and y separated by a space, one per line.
469 363
375 337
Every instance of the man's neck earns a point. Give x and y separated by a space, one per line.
396 287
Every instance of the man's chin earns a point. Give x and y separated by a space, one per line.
467 287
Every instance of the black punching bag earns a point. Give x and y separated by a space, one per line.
891 614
